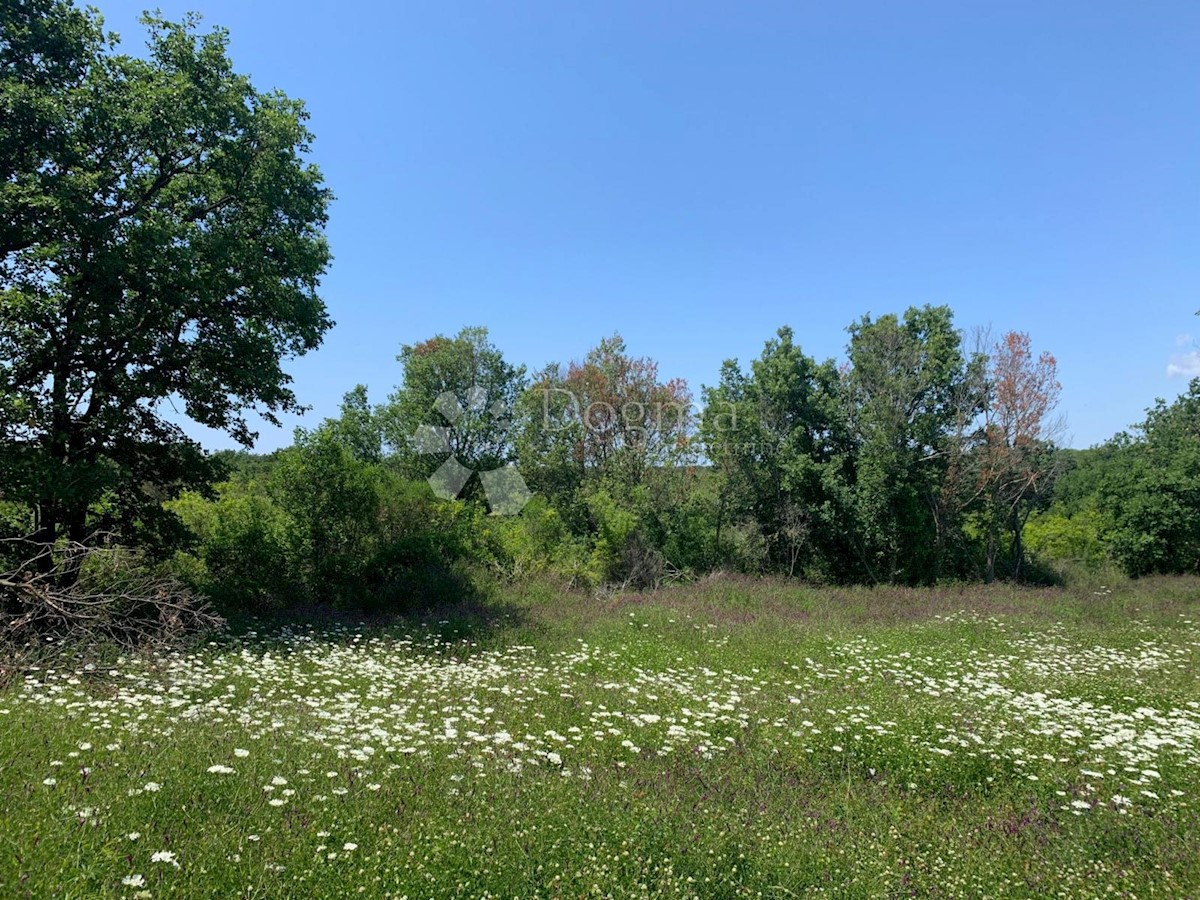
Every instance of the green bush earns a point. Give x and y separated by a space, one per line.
1152 493
326 526
1079 540
619 544
535 541
243 557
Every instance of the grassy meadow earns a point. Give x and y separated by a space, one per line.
727 738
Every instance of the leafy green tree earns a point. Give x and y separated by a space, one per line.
549 447
609 416
160 245
684 501
360 426
334 504
604 440
1080 474
1152 492
908 391
777 439
456 398
246 465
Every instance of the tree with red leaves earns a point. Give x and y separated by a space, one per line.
1017 457
609 414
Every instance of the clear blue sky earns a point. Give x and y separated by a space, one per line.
694 175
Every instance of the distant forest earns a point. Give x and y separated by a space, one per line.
920 460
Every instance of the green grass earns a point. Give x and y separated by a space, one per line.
723 739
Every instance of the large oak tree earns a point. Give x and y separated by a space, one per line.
160 246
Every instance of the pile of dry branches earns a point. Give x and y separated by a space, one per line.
90 592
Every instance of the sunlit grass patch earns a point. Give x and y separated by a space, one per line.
651 750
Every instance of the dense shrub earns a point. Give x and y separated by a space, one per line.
1080 539
243 557
325 526
1136 499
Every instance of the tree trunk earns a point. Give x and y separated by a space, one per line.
720 518
939 539
45 531
990 574
76 528
1018 547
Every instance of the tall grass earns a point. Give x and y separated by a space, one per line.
731 737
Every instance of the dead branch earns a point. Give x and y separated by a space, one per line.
91 592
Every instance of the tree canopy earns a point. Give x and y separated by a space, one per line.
161 245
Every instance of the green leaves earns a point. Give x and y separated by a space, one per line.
778 439
1151 491
462 385
161 243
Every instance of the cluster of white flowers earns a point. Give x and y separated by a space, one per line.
364 706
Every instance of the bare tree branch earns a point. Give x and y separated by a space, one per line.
117 599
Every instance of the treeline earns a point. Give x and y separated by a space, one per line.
925 456
919 459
